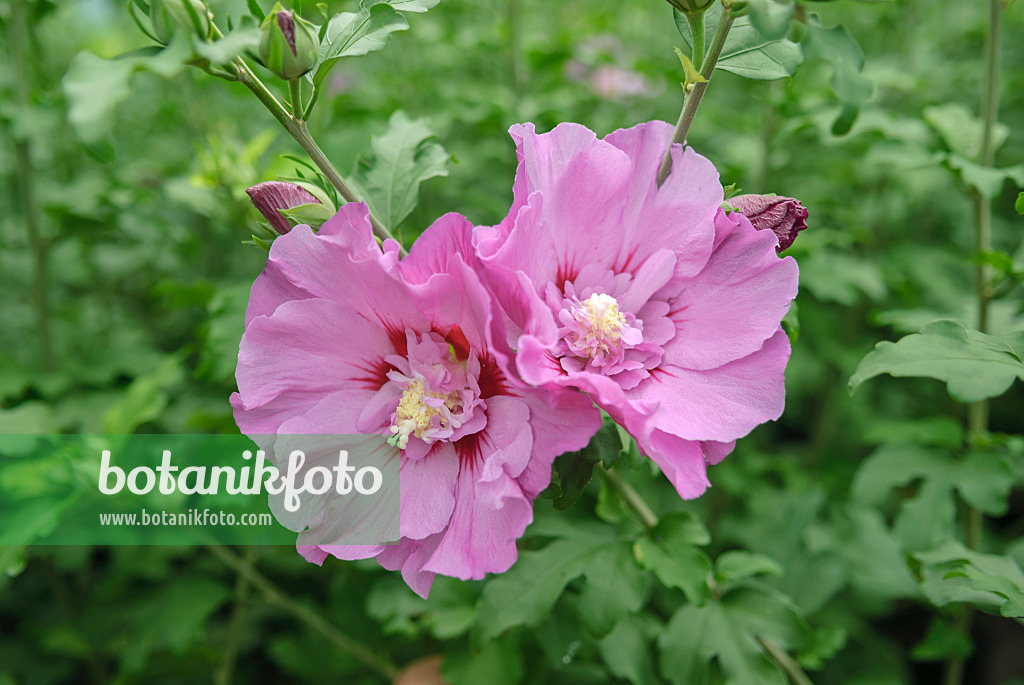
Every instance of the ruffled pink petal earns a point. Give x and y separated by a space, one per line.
678 214
450 235
655 272
720 404
715 452
561 422
428 492
312 346
578 222
480 538
317 554
735 303
508 439
682 462
410 556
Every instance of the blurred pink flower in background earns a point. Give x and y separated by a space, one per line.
603 64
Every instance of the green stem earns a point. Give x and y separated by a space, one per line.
40 245
227 668
693 98
696 21
275 595
295 93
632 497
297 129
978 412
515 48
785 661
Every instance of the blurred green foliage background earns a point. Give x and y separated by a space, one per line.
125 281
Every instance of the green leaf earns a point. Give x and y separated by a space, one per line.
834 276
1010 590
893 466
770 18
960 129
574 472
615 588
145 398
1019 206
313 214
837 46
740 565
525 593
256 10
990 582
730 631
418 6
626 652
791 323
876 561
986 180
172 615
943 640
95 86
974 366
983 479
498 663
401 159
746 51
28 418
938 431
690 73
670 553
350 34
823 645
235 43
449 613
928 518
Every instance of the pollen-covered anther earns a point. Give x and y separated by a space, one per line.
603 314
597 326
416 413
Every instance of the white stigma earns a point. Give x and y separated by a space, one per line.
603 317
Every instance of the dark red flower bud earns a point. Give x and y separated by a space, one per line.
783 215
287 26
271 196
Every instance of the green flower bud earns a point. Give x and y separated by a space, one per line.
168 16
691 6
289 45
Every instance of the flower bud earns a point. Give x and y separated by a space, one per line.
168 16
783 215
289 45
271 196
691 6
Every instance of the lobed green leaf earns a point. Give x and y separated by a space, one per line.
974 365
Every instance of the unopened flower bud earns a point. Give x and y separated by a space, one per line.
289 45
168 16
272 196
691 6
783 215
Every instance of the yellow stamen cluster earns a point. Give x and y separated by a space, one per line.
604 317
413 416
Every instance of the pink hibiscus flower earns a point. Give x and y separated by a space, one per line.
662 307
344 338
